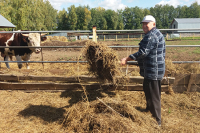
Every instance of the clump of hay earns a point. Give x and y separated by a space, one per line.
103 61
97 117
192 68
57 38
181 68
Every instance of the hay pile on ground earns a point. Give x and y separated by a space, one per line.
57 38
103 61
68 112
181 68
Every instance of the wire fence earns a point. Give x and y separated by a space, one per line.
109 35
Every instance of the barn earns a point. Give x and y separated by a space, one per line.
185 23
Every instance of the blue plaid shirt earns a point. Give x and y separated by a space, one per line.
151 55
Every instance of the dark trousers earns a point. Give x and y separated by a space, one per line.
152 90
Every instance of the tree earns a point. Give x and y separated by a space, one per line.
72 18
137 17
6 10
62 20
50 14
194 10
84 17
120 25
128 18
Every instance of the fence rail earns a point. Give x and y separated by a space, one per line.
89 31
83 46
129 62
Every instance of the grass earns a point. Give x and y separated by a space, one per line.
181 42
196 51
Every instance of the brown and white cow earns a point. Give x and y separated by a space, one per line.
19 39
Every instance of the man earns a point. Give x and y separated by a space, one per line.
151 60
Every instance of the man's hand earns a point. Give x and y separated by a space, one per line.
123 61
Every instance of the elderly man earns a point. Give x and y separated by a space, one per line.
151 60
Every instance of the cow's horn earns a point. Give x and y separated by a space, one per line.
43 34
24 34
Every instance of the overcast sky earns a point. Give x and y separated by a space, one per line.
118 4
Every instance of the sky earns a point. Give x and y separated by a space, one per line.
118 4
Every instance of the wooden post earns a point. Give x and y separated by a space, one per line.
192 78
128 37
116 37
167 37
104 37
193 36
94 34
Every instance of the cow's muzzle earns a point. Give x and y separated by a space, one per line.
38 50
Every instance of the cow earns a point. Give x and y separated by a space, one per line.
19 39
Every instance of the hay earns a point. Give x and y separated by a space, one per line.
68 112
181 68
98 117
56 38
103 61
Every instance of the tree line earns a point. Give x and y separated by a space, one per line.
40 15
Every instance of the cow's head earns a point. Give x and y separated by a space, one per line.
33 39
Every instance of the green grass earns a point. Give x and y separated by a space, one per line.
196 51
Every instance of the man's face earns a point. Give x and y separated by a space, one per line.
147 26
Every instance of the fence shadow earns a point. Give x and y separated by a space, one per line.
47 113
78 95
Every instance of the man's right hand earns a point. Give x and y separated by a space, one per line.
123 61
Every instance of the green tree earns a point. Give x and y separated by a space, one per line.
128 18
62 20
50 16
111 18
120 25
181 11
137 17
6 10
72 17
84 17
194 10
157 13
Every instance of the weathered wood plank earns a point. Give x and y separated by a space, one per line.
183 88
82 78
69 86
184 79
191 81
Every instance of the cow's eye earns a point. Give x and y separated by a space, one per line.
27 40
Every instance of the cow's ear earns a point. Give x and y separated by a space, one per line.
24 39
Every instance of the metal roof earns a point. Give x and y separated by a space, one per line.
4 23
187 20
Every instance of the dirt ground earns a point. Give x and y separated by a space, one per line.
92 111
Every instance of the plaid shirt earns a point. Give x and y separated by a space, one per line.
151 55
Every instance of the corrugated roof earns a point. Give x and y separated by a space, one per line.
4 23
187 20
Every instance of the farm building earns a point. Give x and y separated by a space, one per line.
4 23
186 23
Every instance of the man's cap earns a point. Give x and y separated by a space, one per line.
148 18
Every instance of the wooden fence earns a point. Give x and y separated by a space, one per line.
13 82
179 83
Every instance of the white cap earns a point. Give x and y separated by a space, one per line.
148 18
